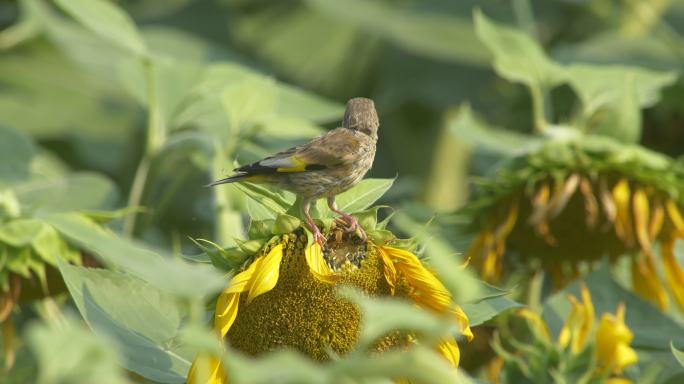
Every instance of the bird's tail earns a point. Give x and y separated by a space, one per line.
236 177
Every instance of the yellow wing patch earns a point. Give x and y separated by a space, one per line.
299 166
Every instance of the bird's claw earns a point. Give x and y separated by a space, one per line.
319 238
352 226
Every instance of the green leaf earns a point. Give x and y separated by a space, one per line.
80 191
357 198
469 128
283 127
274 202
486 309
16 151
679 355
20 233
612 96
142 319
429 34
106 20
296 103
174 276
257 211
48 245
517 57
72 354
597 85
249 101
285 224
282 366
173 79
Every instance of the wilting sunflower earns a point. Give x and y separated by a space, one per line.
574 202
285 296
583 352
29 249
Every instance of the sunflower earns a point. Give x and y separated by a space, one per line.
285 296
583 351
29 249
573 203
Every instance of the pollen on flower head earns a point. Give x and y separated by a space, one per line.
304 313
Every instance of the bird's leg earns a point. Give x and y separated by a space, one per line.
349 220
318 236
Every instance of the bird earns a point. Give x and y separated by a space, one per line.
324 167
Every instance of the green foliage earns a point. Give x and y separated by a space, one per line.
144 321
115 114
174 276
16 150
70 354
107 21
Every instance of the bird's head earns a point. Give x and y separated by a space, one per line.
361 116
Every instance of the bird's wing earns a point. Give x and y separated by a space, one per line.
337 147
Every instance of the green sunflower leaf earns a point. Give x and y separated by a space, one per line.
469 128
357 198
20 233
487 309
106 20
16 151
679 355
69 352
429 34
144 320
165 273
612 96
79 191
517 57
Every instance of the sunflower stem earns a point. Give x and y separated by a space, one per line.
540 96
156 137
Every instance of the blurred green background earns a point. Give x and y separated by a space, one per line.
419 60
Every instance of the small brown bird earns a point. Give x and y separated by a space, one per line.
325 166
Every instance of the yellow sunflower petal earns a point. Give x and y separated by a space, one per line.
657 219
587 324
675 217
624 357
641 211
8 342
462 319
612 342
618 380
507 225
673 271
266 276
607 202
536 323
206 370
540 205
317 265
449 349
562 196
242 281
646 282
226 313
623 223
428 290
239 283
568 333
490 265
389 271
591 207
